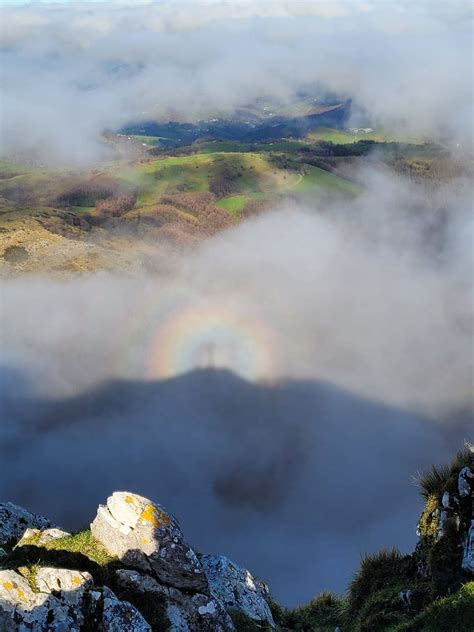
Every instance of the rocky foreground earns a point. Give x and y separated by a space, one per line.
145 555
134 571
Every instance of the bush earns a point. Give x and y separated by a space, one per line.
15 254
323 611
444 478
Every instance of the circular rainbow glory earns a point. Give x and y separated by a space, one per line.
211 335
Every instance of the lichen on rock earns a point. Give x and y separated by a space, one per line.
236 588
144 536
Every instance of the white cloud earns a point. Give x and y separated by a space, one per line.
408 64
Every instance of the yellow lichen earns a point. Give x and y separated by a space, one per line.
428 523
129 500
154 516
76 580
7 585
21 594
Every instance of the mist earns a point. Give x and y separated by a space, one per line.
276 389
72 71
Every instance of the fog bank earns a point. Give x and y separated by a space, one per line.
72 70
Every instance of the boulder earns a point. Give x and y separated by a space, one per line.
464 485
15 520
236 589
25 610
41 536
121 616
199 613
146 537
107 613
67 585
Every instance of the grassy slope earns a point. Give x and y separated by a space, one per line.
35 217
258 178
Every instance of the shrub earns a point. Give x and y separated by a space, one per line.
15 254
323 611
444 478
376 571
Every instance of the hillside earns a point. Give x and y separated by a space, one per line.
127 213
132 570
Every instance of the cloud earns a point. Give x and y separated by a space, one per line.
72 70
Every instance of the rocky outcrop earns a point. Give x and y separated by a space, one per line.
185 613
14 521
143 535
140 566
236 589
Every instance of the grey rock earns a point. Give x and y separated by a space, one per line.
236 589
15 520
23 610
445 500
44 535
464 486
443 516
146 537
107 613
468 554
121 616
139 583
199 613
69 586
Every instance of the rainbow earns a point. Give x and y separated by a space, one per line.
179 334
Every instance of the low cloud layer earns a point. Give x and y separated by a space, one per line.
72 70
277 390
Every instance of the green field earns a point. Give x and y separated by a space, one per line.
248 175
341 137
315 178
234 204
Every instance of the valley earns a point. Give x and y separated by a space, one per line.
126 213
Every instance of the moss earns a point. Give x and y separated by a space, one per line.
29 573
82 542
79 551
